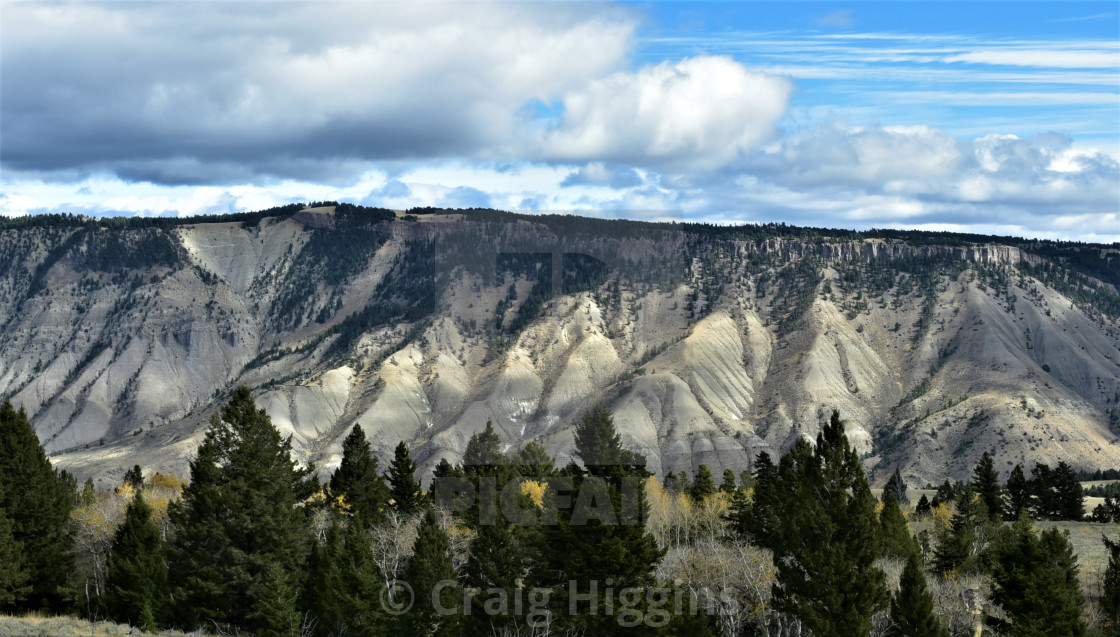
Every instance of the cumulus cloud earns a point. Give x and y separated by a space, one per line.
697 113
219 92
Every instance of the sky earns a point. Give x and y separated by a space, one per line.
996 118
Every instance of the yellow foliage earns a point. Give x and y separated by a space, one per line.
535 490
164 481
941 516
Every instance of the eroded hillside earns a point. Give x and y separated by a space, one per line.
709 344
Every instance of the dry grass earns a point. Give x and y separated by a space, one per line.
34 625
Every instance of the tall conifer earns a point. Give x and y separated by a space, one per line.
912 606
136 590
358 480
237 517
37 502
985 481
403 486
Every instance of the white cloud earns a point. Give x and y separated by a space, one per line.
1072 59
701 113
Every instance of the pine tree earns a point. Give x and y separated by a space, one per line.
1035 581
728 485
275 613
36 502
923 507
1110 588
704 485
1044 501
342 588
13 579
897 486
358 480
912 606
403 487
821 525
88 496
134 477
739 515
957 546
236 517
496 563
534 463
1018 493
581 546
430 568
1068 497
896 538
136 589
985 481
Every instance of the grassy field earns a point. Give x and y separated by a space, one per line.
43 626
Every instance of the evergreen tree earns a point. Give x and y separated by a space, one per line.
896 538
728 485
819 520
403 486
739 514
704 485
342 588
946 492
13 579
1110 588
897 486
958 546
923 507
358 480
496 563
430 567
136 589
36 501
534 463
134 477
1069 502
912 606
1044 501
1035 581
275 613
672 484
236 517
1018 493
88 496
583 547
985 481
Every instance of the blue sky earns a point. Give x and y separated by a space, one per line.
984 117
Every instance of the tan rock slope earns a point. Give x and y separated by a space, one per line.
710 347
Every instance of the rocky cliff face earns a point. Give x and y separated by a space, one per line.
709 345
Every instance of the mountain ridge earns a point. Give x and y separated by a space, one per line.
710 343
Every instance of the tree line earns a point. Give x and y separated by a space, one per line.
510 544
